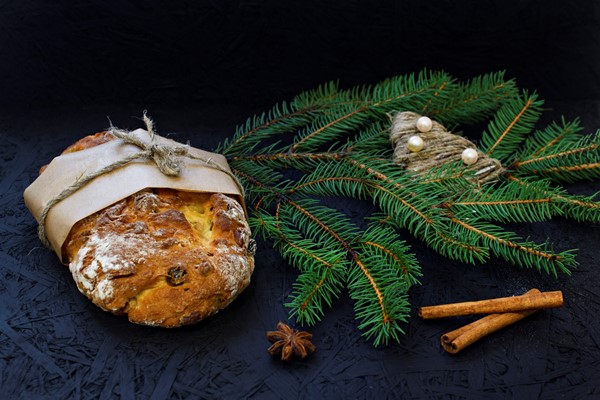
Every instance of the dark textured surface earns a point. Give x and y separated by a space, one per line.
66 68
55 343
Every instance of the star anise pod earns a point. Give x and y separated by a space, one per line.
290 342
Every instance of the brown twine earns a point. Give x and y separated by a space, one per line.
441 148
166 157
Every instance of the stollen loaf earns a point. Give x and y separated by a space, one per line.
162 256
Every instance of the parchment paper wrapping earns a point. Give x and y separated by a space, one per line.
109 188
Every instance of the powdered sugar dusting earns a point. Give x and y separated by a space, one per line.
233 268
234 210
113 255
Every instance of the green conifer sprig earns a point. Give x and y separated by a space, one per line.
571 159
542 140
332 143
510 202
508 129
470 101
578 208
507 245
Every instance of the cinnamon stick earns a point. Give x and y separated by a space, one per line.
533 301
457 340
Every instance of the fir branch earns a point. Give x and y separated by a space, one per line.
579 208
386 242
383 323
451 242
380 310
283 118
542 141
266 174
404 89
373 140
246 139
395 193
260 182
323 270
567 161
328 253
312 221
505 244
327 128
512 122
452 177
474 100
312 291
464 249
567 172
506 210
303 162
332 142
417 207
386 269
510 202
405 92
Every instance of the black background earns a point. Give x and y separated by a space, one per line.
202 67
96 52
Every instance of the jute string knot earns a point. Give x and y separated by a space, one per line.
168 159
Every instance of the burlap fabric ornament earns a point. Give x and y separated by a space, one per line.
440 147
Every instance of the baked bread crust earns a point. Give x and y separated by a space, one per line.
162 257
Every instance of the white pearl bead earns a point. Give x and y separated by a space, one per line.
424 124
415 144
469 156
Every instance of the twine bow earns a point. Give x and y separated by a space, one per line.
168 159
